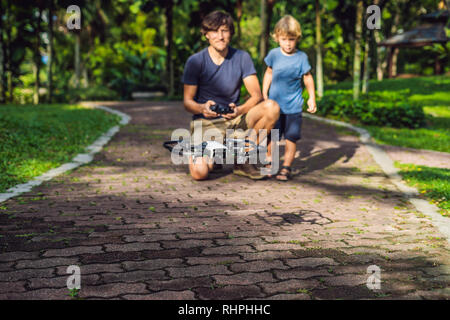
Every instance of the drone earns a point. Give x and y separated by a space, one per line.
241 148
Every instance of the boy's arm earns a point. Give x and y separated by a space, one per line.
309 84
267 80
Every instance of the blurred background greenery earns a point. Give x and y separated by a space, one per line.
125 46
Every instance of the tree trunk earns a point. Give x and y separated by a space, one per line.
394 62
270 4
2 59
357 55
266 16
169 46
239 17
50 52
394 53
380 62
8 67
319 63
264 33
365 86
37 58
389 58
77 59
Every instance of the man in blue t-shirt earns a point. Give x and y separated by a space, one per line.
215 76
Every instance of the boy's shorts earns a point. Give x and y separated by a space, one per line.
290 126
220 126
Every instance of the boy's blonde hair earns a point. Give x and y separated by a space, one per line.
287 26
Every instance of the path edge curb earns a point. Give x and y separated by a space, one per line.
387 165
79 160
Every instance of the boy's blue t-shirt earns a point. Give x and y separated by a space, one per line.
287 72
222 84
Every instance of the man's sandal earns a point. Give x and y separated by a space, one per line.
284 174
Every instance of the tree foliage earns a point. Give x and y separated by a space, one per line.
124 44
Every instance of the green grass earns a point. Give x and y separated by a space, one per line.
432 182
433 93
34 139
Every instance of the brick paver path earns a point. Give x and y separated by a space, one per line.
141 228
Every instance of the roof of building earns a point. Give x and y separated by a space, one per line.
432 30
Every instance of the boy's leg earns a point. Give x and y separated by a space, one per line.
289 153
262 116
292 133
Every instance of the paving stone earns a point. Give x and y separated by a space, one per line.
152 264
227 250
41 294
71 251
197 271
112 290
18 286
185 244
225 260
26 274
61 282
229 293
133 276
245 278
135 246
289 286
163 295
300 274
48 262
6 266
310 262
179 283
267 255
110 257
351 280
14 256
93 268
288 297
258 266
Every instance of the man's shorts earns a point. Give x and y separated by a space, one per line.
219 126
290 126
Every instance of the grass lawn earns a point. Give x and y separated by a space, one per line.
432 182
433 93
34 139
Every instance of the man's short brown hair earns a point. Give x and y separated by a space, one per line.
214 20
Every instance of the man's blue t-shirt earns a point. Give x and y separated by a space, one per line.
222 84
287 72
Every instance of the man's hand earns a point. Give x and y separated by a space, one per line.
207 113
312 108
236 112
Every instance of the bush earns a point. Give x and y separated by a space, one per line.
95 93
377 109
23 95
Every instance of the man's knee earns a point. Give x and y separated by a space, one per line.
200 169
199 172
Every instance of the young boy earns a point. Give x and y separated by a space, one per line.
286 66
